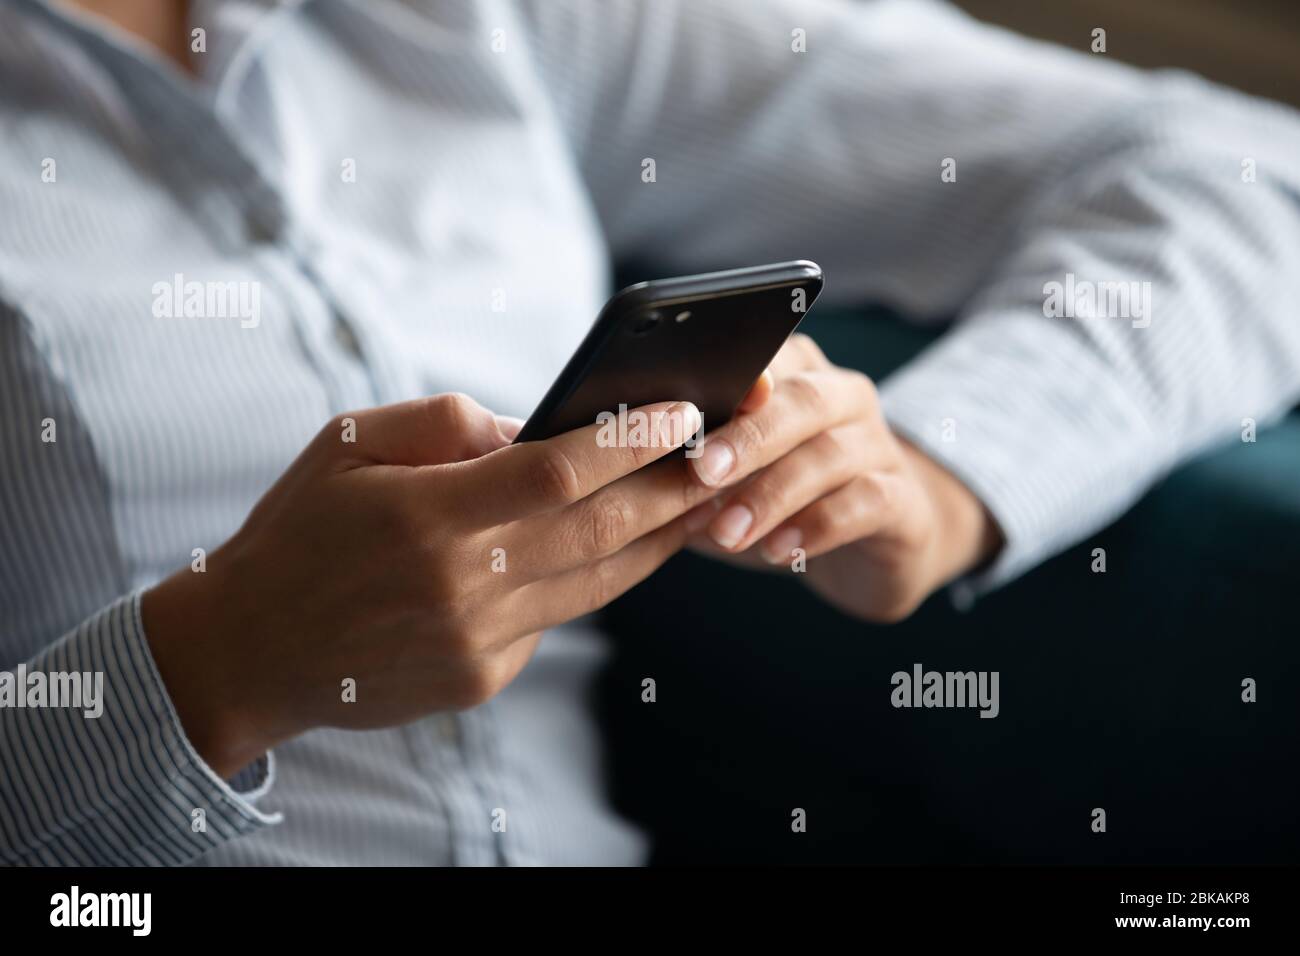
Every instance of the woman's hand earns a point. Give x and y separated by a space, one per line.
809 463
420 561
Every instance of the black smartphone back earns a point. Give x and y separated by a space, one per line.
702 339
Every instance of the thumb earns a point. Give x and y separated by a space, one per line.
424 431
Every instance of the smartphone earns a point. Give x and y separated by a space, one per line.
703 339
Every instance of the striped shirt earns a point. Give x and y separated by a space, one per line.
393 198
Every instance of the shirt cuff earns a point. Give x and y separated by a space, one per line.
1039 435
256 779
124 786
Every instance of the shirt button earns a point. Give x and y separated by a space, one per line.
264 227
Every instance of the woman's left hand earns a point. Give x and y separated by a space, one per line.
811 470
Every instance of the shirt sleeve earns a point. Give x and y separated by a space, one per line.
956 172
121 787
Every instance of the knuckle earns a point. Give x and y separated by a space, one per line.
606 526
819 522
882 497
644 452
853 515
477 685
808 391
690 492
602 585
847 451
866 386
832 445
748 433
764 496
808 347
557 477
455 412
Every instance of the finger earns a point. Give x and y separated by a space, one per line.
538 476
606 521
855 511
819 466
425 431
799 354
564 597
750 560
509 425
701 543
803 405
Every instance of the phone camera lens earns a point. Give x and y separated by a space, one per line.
645 324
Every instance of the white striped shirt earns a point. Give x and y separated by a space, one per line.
428 197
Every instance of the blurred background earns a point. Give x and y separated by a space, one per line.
1253 45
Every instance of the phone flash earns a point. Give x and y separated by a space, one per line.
683 316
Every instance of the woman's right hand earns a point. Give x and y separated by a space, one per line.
421 560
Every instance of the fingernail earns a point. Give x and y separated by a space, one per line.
781 544
699 516
679 423
692 418
731 525
715 462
